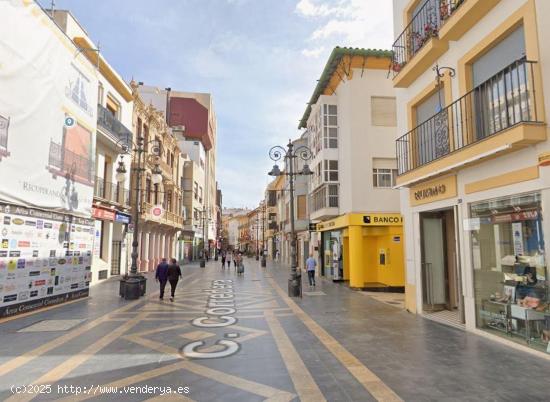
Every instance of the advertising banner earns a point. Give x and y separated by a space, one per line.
45 258
48 97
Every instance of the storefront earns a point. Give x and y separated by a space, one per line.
110 249
364 249
510 273
477 255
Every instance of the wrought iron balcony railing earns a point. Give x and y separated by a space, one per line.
65 162
109 122
113 192
424 24
504 100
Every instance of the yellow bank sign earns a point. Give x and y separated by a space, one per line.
366 219
379 219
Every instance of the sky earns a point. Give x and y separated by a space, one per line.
260 60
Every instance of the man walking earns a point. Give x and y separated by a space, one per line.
174 274
310 266
161 276
223 259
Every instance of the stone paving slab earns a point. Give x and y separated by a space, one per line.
338 346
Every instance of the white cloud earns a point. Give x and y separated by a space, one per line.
309 8
314 53
355 23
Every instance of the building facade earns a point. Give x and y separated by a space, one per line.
472 157
350 125
111 202
161 207
192 117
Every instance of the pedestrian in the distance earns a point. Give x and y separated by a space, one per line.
237 254
239 264
228 258
174 274
161 276
223 259
311 263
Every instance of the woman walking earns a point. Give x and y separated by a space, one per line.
229 255
174 273
239 264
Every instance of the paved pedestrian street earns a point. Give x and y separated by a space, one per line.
334 344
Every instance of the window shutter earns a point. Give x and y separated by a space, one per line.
301 207
383 111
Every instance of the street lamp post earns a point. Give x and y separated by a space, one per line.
257 236
133 286
289 155
263 262
204 237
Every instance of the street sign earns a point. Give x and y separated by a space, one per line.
157 211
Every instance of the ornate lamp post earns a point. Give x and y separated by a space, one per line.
263 262
133 286
257 236
204 237
290 155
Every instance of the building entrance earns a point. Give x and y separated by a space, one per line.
440 268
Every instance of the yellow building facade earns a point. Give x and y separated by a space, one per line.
472 164
371 249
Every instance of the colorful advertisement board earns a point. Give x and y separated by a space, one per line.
45 258
48 110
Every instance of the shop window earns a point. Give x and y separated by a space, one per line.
510 272
384 178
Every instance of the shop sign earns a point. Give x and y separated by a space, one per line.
312 227
382 219
104 214
434 190
122 218
515 217
321 226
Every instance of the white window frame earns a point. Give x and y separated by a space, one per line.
379 173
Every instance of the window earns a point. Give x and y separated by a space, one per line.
148 190
113 106
384 178
301 204
383 111
331 170
200 194
156 194
100 94
196 190
330 126
510 269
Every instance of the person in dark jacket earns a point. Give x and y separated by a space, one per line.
174 274
161 275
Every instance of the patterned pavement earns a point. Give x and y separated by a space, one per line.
240 338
